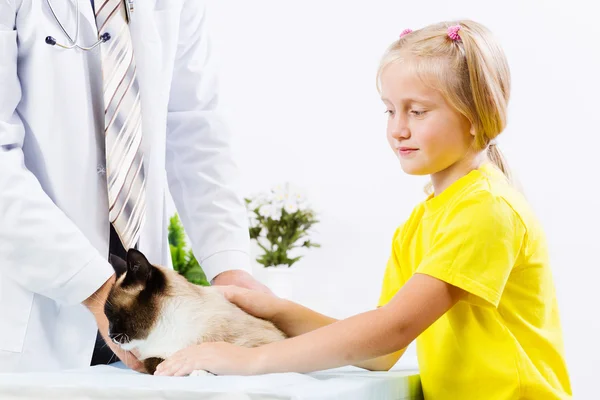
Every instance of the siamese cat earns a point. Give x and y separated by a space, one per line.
158 312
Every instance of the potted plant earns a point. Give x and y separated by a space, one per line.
280 222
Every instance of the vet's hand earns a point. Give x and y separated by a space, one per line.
259 304
218 358
128 358
239 278
95 303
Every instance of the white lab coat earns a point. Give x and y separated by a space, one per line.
54 229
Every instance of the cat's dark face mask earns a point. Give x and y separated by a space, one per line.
132 305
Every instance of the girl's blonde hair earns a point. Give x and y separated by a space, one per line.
464 62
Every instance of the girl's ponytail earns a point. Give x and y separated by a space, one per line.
496 156
489 84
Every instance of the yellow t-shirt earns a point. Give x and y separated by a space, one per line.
504 340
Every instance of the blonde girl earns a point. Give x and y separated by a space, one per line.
468 276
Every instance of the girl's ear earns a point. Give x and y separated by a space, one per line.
472 130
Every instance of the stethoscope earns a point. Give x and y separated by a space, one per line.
105 37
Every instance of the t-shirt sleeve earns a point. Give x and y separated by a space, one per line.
392 277
476 248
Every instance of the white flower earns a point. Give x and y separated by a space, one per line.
290 207
270 211
276 212
282 193
302 205
279 189
252 220
297 196
265 210
278 197
258 200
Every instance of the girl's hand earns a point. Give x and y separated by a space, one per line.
219 358
259 304
241 279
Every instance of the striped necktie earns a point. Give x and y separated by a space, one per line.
123 124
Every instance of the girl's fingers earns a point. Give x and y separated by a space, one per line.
167 367
183 370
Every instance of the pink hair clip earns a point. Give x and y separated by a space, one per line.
405 32
453 32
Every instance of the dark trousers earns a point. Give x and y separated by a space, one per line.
102 353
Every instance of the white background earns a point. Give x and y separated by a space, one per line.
298 89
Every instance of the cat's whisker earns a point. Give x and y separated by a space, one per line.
109 303
95 299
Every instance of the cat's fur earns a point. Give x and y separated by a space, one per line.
158 312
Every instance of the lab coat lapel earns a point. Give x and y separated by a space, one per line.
88 14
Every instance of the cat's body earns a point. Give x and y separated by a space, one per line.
158 312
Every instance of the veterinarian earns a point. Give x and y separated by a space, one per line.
104 108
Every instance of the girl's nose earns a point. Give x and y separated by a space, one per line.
399 127
400 132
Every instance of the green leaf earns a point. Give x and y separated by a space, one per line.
176 232
184 261
255 232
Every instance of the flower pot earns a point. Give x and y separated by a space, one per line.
277 278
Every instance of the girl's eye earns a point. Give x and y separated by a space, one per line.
389 112
417 113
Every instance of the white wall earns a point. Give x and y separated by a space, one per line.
298 87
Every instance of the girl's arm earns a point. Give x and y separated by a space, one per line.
373 334
368 336
294 319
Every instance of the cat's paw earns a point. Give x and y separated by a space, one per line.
199 372
151 363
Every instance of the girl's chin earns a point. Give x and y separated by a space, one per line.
413 168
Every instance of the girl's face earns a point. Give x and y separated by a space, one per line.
425 132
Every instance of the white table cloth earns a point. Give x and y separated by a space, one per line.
117 382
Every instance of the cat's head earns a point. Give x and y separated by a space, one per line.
133 304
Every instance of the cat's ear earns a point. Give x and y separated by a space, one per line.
118 264
138 265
